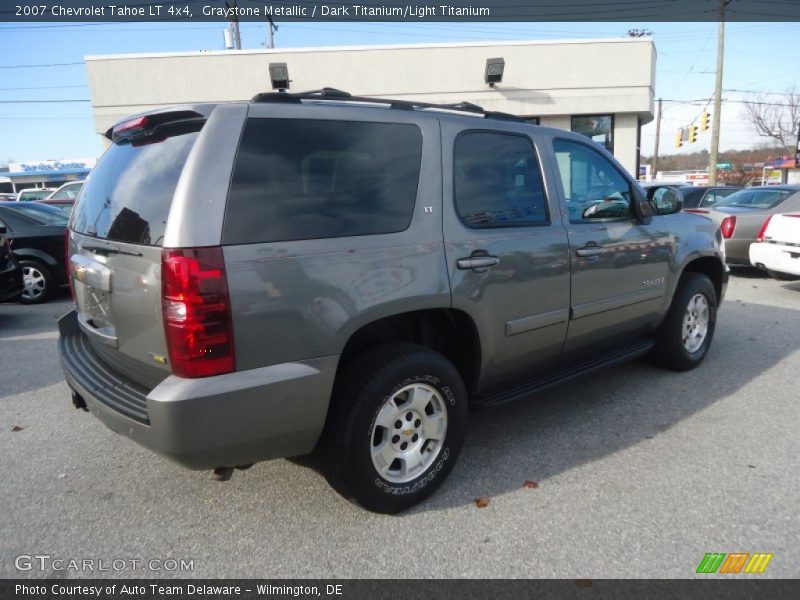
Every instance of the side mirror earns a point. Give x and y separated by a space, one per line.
3 229
665 200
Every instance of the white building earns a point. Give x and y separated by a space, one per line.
603 88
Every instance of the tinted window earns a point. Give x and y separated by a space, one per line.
128 194
299 179
497 181
593 187
755 198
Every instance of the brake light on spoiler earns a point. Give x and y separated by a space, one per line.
196 310
130 126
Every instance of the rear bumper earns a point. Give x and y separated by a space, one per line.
776 257
737 252
222 421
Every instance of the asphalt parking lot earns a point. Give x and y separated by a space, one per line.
640 472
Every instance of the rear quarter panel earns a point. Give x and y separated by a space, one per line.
300 300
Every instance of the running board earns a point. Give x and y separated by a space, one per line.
520 388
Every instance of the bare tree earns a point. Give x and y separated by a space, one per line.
775 117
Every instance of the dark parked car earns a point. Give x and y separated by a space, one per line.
37 233
705 196
10 271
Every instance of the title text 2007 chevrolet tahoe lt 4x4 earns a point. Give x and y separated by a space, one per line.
323 273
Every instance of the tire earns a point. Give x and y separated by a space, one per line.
376 392
38 282
694 304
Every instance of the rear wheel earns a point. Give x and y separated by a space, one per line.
396 427
37 280
685 335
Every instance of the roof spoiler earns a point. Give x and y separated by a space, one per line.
143 123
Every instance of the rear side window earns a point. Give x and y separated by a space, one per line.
300 179
129 193
497 181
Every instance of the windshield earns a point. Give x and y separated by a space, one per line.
128 195
42 214
68 192
755 198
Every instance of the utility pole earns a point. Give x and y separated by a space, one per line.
237 38
712 167
271 29
658 135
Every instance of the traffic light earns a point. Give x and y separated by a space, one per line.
679 138
693 133
704 118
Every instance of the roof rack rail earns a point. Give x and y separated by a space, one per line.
333 94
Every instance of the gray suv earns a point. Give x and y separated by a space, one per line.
339 276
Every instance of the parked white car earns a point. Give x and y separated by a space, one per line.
31 194
777 247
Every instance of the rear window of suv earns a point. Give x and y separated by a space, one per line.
300 179
128 194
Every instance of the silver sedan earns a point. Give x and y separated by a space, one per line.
742 215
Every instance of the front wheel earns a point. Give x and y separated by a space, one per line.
396 427
37 280
685 335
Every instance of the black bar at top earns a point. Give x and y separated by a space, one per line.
98 11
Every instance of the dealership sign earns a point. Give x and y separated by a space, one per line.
51 165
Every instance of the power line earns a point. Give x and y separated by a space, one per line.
41 87
761 92
59 101
69 64
46 118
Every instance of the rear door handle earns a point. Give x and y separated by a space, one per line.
589 251
477 262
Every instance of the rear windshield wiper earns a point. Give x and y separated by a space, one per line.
108 250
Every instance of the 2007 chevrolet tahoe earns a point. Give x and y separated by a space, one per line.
324 273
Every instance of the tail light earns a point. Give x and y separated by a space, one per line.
727 227
129 126
698 211
197 313
760 236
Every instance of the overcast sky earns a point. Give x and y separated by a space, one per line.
758 57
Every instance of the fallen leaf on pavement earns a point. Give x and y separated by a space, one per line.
531 485
481 502
16 428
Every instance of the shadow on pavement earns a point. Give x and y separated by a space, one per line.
594 417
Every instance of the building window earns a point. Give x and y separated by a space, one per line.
599 128
532 120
